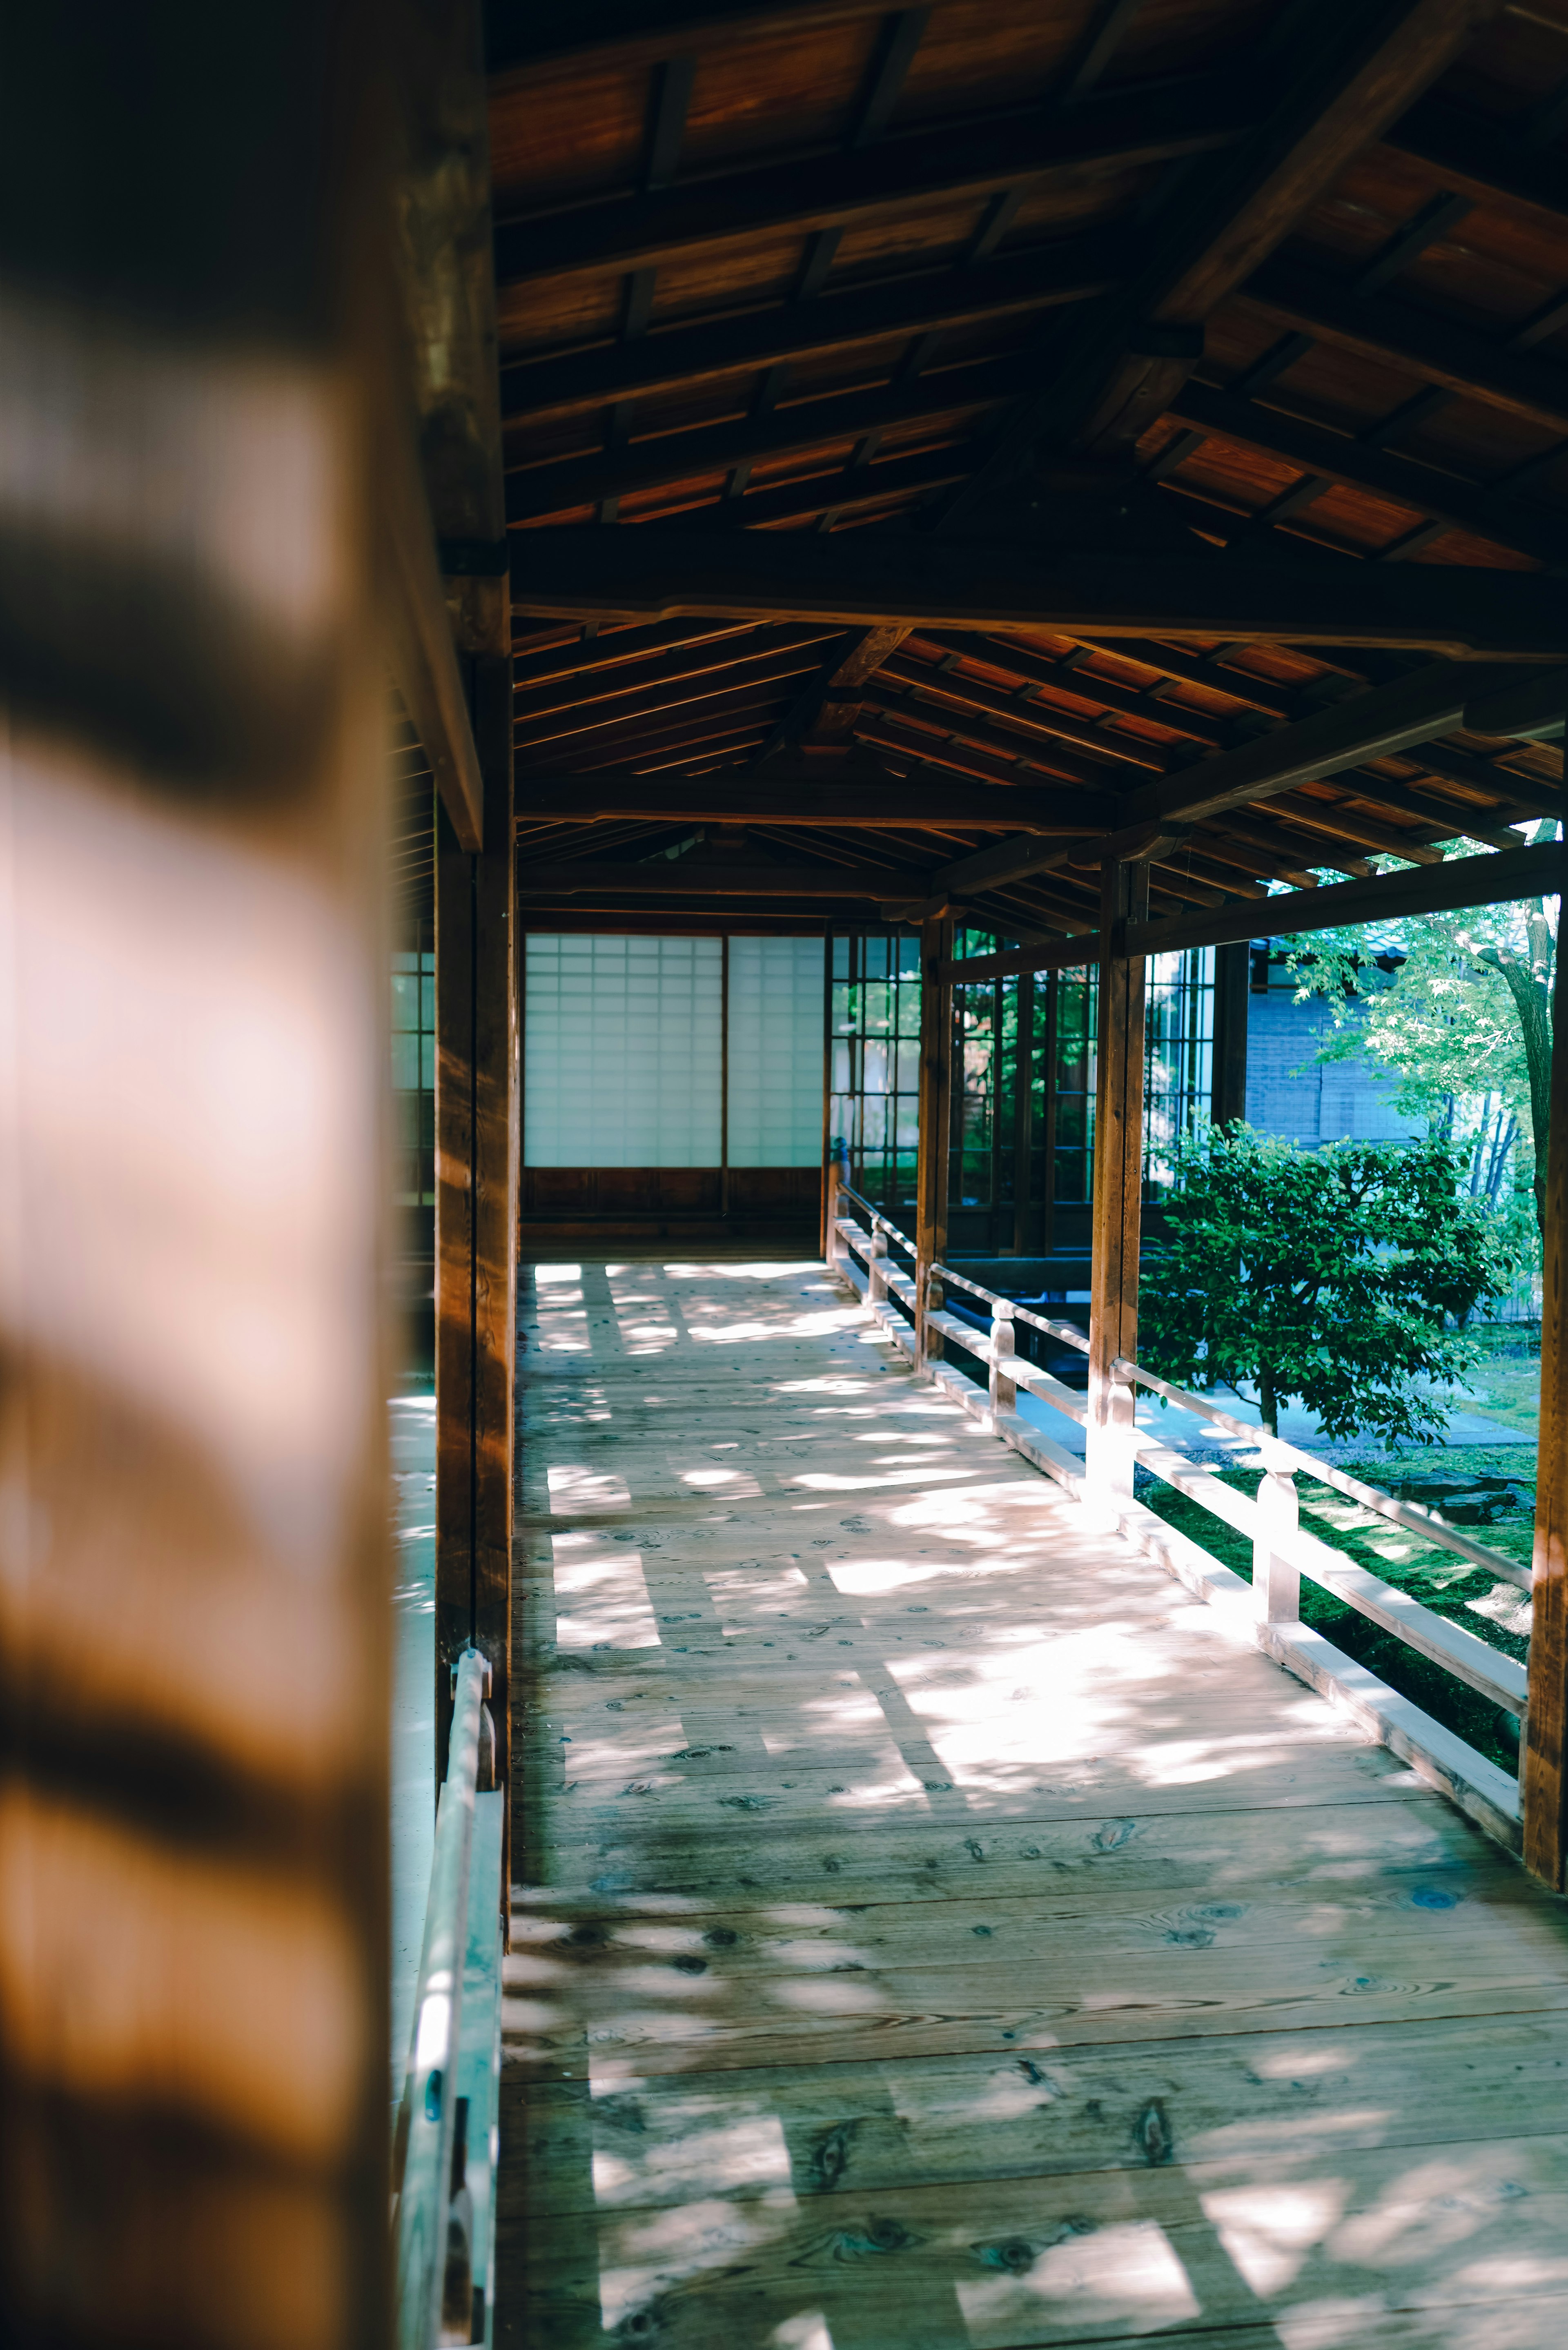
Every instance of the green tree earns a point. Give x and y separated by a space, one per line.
1466 1023
1326 1275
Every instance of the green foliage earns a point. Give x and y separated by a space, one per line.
1466 1025
1324 1275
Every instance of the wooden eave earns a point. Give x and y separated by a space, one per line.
805 270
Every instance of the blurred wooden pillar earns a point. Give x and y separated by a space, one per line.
1232 995
1544 1759
935 1138
1118 1186
448 279
194 1590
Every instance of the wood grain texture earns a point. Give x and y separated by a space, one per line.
926 1930
477 1153
1544 1763
1117 1187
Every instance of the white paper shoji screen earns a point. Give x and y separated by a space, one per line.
621 1056
775 1052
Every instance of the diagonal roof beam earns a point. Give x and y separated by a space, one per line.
1449 354
1373 725
1346 78
1335 457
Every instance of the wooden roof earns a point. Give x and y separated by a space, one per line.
1189 285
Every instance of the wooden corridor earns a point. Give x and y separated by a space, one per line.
930 1932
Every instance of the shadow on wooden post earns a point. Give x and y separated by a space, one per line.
1115 1212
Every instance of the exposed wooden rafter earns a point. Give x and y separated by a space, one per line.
871 579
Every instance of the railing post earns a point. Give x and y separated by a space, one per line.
1109 1430
1276 1580
877 1267
1003 1344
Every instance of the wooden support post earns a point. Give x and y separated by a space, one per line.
1276 1580
1233 994
1003 1344
476 1226
195 1578
1543 1760
1023 1111
877 1268
836 1175
935 1134
1118 1185
448 284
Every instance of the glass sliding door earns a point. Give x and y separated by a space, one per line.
873 1066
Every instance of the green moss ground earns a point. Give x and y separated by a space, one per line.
1439 1580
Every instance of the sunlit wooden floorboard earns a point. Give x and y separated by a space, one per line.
930 1932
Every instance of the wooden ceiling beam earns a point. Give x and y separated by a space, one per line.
1443 351
794 792
599 686
1039 748
1482 156
1459 882
1343 74
776 665
827 706
626 33
534 492
609 650
916 751
952 162
1067 676
846 490
1336 457
1373 725
872 579
687 876
687 358
938 689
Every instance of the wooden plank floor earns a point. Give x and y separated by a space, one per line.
932 1932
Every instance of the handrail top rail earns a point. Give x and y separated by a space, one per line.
879 1222
1053 1329
1412 1516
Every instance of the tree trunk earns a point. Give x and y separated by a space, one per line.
1529 978
1268 1402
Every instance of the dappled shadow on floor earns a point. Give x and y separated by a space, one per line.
931 1933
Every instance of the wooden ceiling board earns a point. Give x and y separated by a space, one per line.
1185 35
559 314
980 53
783 93
681 696
1514 61
601 688
585 136
1462 547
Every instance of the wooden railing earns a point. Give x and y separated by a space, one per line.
1284 1552
443 2165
